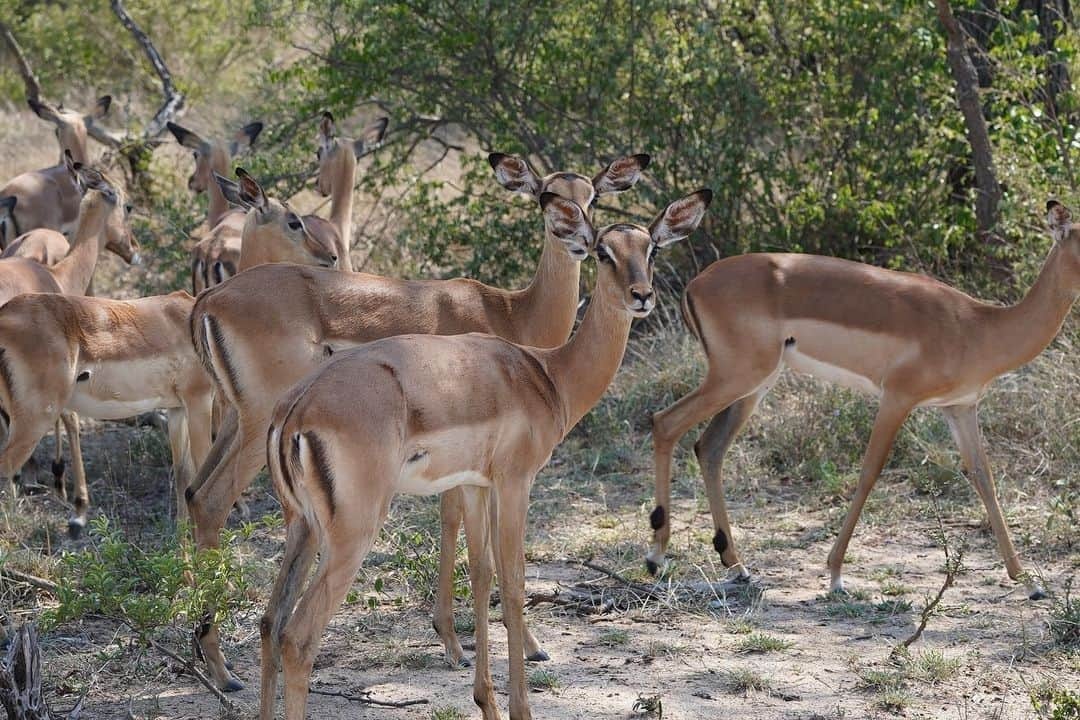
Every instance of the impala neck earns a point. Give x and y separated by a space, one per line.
545 310
583 368
1020 332
77 150
341 204
219 163
76 270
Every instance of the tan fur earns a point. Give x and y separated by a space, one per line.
278 323
49 198
337 176
422 414
908 339
137 355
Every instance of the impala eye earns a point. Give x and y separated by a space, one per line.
128 208
653 250
294 222
603 256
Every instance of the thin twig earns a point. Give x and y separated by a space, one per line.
33 87
174 99
225 701
365 697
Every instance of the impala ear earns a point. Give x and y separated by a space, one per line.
680 218
566 221
327 128
515 174
184 136
371 136
245 137
231 191
251 193
101 107
91 179
621 174
1058 218
43 110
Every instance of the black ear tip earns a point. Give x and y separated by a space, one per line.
546 198
643 160
105 99
254 128
241 172
706 196
495 158
383 122
1051 204
68 155
327 115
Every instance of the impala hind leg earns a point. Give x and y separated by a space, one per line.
964 424
78 470
300 549
721 387
477 508
341 554
890 416
209 507
710 449
182 470
451 514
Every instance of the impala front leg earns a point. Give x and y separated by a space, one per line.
964 424
451 513
475 503
512 511
82 493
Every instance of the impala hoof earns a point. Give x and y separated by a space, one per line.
233 685
538 656
652 567
1038 594
75 527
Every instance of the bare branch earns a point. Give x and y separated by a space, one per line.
29 579
33 87
174 99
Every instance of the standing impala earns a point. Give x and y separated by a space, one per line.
217 254
49 198
105 359
265 329
422 414
337 175
907 339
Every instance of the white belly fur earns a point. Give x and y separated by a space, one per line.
829 373
120 390
412 481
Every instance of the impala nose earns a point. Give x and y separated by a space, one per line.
642 295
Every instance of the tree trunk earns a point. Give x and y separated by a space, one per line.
20 677
988 191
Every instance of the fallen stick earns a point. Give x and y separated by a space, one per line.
27 578
365 697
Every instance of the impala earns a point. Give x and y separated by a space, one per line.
422 414
266 329
337 175
49 198
105 359
907 339
217 254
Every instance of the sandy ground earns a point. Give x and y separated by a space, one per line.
685 651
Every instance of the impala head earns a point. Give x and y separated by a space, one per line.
71 125
211 155
337 154
273 227
1066 236
102 197
517 175
625 253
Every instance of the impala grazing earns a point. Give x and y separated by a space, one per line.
216 255
265 329
337 175
908 339
422 414
49 198
104 359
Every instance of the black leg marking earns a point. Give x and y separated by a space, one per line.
789 342
58 467
658 517
652 567
83 376
189 493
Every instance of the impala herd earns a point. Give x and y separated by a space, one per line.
353 387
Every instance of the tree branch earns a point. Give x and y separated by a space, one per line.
365 697
33 87
174 99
